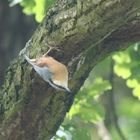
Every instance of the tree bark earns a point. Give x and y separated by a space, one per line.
85 32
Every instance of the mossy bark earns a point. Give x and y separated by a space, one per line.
86 32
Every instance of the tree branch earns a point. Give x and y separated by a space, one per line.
86 33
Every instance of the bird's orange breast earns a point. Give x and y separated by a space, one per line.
59 70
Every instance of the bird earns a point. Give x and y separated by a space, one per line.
51 71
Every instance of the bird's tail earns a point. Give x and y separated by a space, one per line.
68 90
31 61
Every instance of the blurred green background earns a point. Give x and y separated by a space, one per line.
107 106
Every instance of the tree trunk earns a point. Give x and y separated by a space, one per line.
85 32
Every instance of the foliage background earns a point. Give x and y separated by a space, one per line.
107 106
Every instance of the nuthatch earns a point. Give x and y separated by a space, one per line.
51 70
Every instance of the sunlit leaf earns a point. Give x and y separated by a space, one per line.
136 91
121 58
28 5
127 66
36 7
132 83
123 72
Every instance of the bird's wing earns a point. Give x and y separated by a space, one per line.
43 71
58 85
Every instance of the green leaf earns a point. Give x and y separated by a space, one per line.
132 83
136 91
122 71
28 5
36 7
127 66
